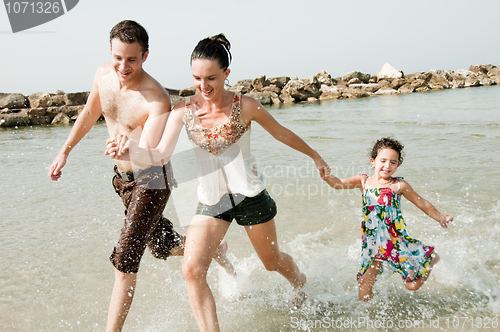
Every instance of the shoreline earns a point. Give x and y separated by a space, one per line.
60 108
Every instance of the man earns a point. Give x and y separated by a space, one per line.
132 101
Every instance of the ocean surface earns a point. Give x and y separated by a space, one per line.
56 237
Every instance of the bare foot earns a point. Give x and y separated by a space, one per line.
298 293
221 258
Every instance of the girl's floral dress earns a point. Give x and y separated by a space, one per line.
385 238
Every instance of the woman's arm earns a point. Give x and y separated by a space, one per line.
252 110
126 149
407 191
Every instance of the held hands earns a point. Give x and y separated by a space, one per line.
119 147
324 169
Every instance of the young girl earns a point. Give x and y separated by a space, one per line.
384 234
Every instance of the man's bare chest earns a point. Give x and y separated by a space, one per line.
127 111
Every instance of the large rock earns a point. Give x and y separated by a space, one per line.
369 88
471 79
76 98
325 79
263 98
356 74
40 99
396 83
187 92
12 100
439 80
61 118
280 82
389 71
352 93
301 90
243 86
476 69
407 88
15 118
260 82
494 74
386 91
329 92
312 86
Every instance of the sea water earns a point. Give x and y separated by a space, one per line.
56 237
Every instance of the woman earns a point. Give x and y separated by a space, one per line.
231 187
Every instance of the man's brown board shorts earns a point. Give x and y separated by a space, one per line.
145 198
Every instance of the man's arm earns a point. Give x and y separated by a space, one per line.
87 118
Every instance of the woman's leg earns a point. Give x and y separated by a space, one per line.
265 242
367 280
203 237
414 285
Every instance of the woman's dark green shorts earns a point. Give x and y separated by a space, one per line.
246 210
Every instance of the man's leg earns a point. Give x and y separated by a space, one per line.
121 299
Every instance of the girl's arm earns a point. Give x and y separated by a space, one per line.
253 110
124 149
407 191
350 183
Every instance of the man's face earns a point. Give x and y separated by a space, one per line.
127 59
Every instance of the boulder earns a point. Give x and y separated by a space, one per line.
407 88
271 88
386 91
354 80
280 82
16 118
187 92
243 86
261 97
477 69
76 98
12 100
329 92
356 74
494 74
61 118
40 99
369 88
312 86
58 99
325 79
389 71
352 93
486 81
396 83
260 82
439 80
287 99
295 89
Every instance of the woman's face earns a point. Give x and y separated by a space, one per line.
208 78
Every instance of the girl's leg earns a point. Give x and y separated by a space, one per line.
203 237
265 242
367 280
414 285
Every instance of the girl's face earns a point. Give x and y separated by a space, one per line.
386 163
209 78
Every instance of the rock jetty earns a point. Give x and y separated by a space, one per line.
43 108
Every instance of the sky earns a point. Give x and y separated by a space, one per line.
272 38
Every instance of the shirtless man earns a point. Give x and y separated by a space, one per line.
132 101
